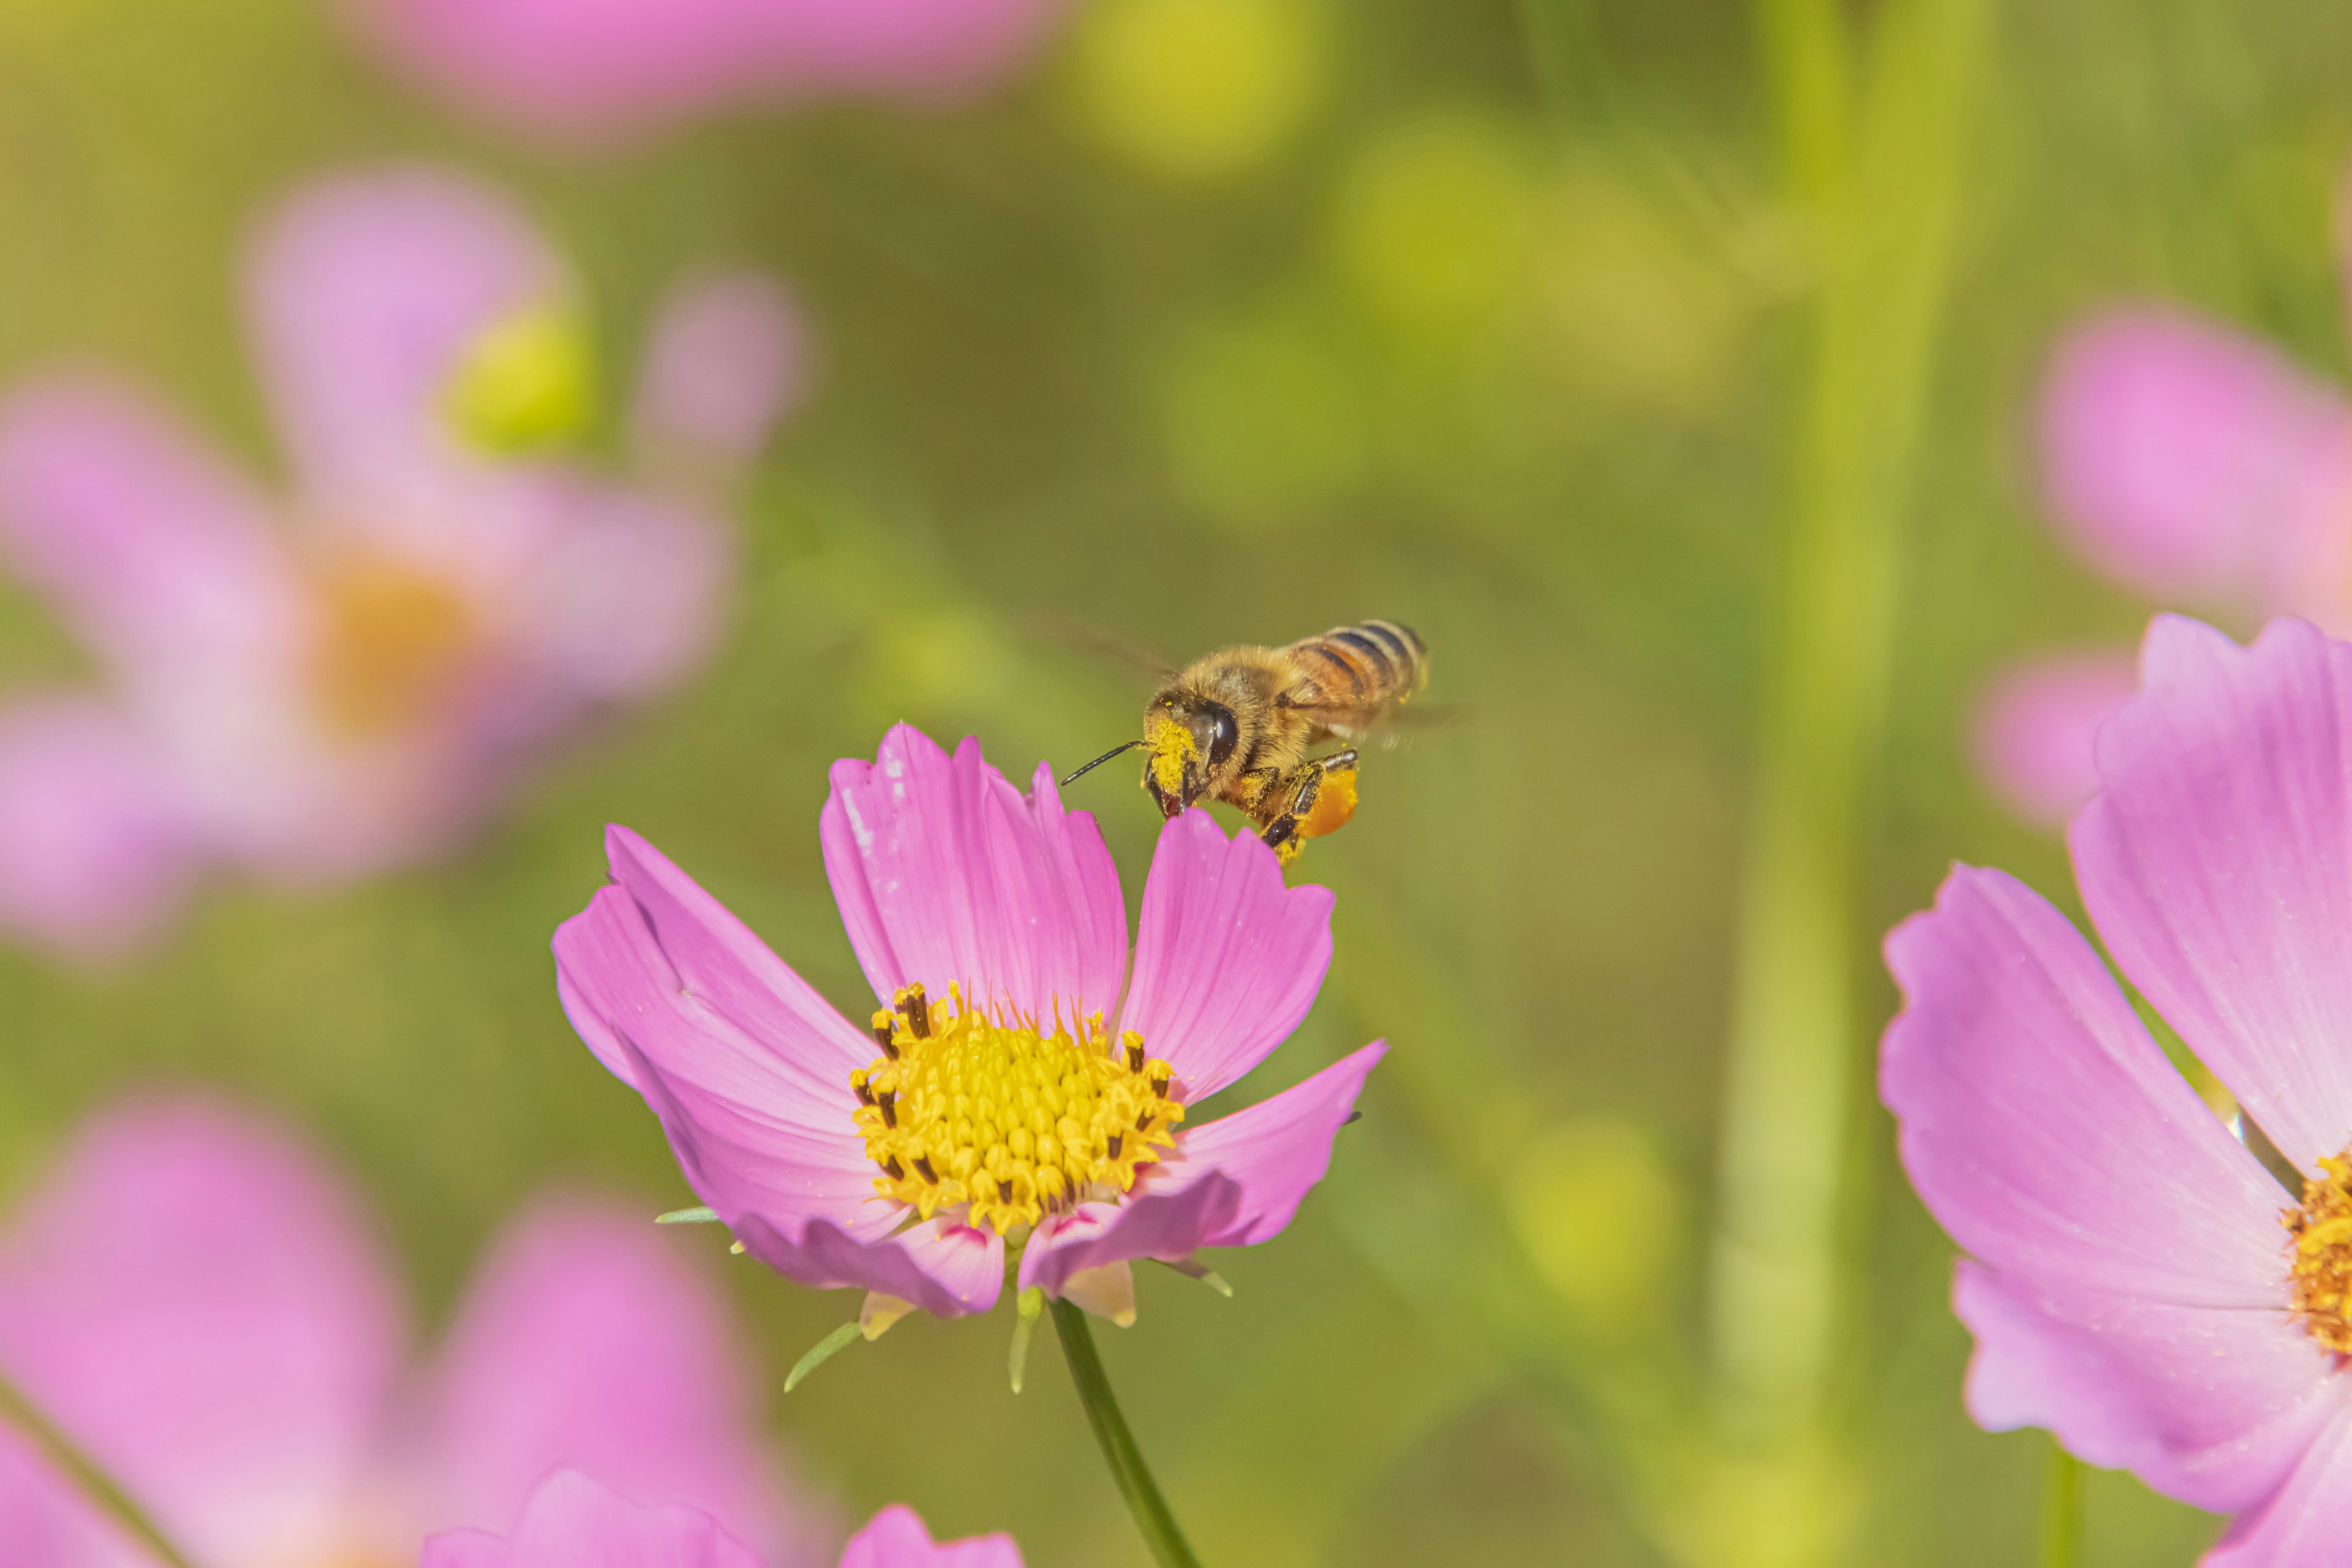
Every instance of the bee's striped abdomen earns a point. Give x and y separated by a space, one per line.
1371 664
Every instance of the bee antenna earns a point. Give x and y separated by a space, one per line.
1122 746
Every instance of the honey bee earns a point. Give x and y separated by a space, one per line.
1238 724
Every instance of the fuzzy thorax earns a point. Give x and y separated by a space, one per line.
1004 1116
2319 1287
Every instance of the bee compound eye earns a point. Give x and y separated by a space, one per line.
1224 734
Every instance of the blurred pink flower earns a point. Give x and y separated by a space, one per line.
2033 726
573 1522
197 1300
988 1105
2194 464
323 686
2127 1280
604 71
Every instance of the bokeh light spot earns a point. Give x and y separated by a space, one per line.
1437 222
1596 1206
1198 89
1639 314
527 384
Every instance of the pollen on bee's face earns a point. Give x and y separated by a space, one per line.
1172 751
1004 1116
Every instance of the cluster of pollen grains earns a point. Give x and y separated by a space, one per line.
1004 1117
2319 1288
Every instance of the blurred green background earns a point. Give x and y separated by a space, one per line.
1229 321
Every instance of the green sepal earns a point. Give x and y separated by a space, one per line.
688 1216
821 1352
1192 1270
1027 1308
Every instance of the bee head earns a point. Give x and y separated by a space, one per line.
1191 741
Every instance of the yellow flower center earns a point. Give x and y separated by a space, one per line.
1000 1115
2319 1287
390 639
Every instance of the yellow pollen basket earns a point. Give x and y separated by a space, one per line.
1334 804
1015 1123
391 638
2319 1286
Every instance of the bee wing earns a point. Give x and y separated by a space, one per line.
1094 639
1355 720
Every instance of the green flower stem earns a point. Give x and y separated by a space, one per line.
1119 1452
60 1450
2062 1511
1875 134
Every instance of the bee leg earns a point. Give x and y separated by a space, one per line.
1298 790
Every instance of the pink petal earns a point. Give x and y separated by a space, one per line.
922 48
946 874
365 292
2174 450
150 543
2305 1525
948 1270
2033 731
1236 1182
45 1523
97 846
2132 1291
593 1342
729 356
625 598
197 1300
2214 864
897 1539
578 71
574 1522
747 1066
1227 959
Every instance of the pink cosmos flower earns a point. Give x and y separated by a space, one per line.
989 1103
327 683
617 69
2127 1280
2194 464
573 1522
202 1305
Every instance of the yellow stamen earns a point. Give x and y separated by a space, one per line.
1004 1117
2319 1287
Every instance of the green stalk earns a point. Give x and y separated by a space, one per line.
79 1467
1874 163
1119 1452
2061 1511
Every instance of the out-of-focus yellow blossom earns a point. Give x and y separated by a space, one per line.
1265 416
1596 1208
1639 312
1437 223
1198 89
528 384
